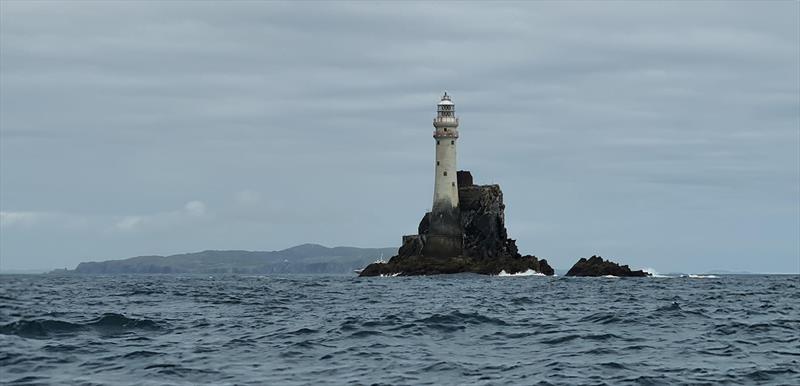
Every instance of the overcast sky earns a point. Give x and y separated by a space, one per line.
663 135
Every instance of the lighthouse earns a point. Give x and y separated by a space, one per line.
445 235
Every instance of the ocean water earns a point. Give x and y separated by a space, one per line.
460 329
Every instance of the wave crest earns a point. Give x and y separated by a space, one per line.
109 322
529 272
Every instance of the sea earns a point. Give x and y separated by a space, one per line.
441 330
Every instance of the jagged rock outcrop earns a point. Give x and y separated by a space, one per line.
596 266
487 248
420 265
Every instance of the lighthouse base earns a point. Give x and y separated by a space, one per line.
444 233
469 237
443 246
422 265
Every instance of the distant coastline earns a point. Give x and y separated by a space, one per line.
305 258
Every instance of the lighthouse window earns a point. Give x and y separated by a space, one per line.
453 142
445 173
452 184
437 142
445 129
437 163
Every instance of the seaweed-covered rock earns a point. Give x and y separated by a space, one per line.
596 266
486 250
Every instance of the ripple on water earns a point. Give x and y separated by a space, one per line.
460 318
108 323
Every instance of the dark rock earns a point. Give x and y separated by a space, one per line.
421 265
424 224
464 178
412 245
543 267
445 235
483 220
486 246
596 266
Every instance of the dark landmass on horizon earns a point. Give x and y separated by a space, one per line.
305 258
301 259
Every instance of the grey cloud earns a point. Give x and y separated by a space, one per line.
619 128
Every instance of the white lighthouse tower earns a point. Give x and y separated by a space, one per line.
445 189
445 235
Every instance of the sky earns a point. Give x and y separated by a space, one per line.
661 135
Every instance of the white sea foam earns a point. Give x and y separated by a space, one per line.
610 276
653 272
529 272
691 276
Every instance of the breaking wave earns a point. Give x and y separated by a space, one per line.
653 272
529 272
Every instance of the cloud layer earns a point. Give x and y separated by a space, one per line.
663 134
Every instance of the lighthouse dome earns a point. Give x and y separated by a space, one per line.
446 100
446 117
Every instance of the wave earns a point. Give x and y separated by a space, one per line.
653 272
303 331
561 339
39 328
601 318
107 323
693 276
142 354
365 333
529 272
461 318
117 321
672 307
766 375
180 371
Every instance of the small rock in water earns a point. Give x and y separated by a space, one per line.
596 266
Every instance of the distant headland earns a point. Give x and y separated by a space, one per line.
305 258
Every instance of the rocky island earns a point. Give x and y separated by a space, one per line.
596 266
465 229
486 246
